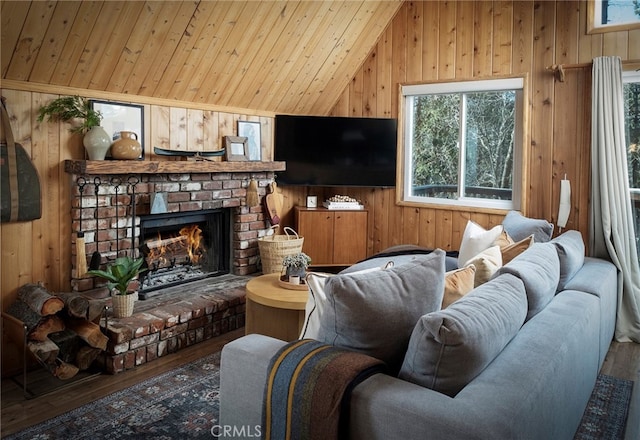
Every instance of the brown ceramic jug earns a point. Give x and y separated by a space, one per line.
127 147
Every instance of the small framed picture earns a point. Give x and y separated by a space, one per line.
235 148
312 201
251 130
120 116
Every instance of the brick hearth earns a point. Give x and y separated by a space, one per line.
177 318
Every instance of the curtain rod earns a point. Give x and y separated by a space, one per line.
558 69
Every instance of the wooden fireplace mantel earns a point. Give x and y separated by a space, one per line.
168 167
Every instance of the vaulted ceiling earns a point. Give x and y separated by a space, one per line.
275 56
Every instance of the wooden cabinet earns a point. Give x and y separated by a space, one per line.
332 236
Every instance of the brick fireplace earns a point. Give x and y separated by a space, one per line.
178 315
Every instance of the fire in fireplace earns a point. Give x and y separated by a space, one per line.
183 246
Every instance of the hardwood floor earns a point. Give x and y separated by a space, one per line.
623 360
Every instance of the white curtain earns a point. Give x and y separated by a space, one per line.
612 233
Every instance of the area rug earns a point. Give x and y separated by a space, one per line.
184 404
180 404
606 414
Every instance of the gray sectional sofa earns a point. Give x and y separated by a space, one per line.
516 358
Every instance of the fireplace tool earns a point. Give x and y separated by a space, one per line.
81 256
133 181
96 258
115 181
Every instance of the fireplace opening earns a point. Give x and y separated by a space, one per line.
183 246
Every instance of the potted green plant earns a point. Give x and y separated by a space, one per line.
296 266
84 120
119 275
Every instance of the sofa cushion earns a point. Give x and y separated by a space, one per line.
571 251
487 264
317 300
510 251
374 313
520 227
476 239
539 269
450 347
457 283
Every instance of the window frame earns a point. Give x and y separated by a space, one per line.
518 83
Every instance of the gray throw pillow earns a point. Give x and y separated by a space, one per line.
450 347
520 227
375 312
570 247
539 269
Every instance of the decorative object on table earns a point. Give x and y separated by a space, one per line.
295 267
195 155
126 147
20 197
273 202
273 248
76 109
121 117
119 276
251 130
342 202
236 148
312 201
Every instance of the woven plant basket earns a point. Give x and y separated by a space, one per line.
123 305
273 249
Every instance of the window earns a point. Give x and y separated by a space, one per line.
462 143
631 90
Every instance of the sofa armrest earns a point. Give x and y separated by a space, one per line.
243 374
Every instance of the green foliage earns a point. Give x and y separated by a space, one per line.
71 109
489 140
632 129
120 273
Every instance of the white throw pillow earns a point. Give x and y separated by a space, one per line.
475 240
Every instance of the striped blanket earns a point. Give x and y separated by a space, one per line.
308 390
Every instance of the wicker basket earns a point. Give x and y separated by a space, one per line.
273 249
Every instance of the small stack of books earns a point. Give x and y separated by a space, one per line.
342 202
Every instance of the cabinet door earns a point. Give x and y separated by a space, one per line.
317 229
350 237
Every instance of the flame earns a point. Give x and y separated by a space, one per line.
162 249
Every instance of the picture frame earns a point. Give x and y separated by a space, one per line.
618 21
251 130
236 148
120 116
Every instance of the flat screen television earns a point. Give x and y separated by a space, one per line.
336 151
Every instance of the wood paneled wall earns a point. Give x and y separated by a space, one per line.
40 250
461 40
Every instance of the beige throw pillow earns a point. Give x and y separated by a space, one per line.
513 250
487 263
457 283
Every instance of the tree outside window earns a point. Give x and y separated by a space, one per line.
463 143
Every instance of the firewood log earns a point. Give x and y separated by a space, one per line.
75 304
45 351
38 327
40 300
89 333
64 370
69 344
85 357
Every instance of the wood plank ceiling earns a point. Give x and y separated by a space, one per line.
276 56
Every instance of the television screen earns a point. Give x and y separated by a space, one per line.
336 151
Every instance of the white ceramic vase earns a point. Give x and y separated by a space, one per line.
97 142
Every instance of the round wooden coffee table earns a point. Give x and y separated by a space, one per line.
273 310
